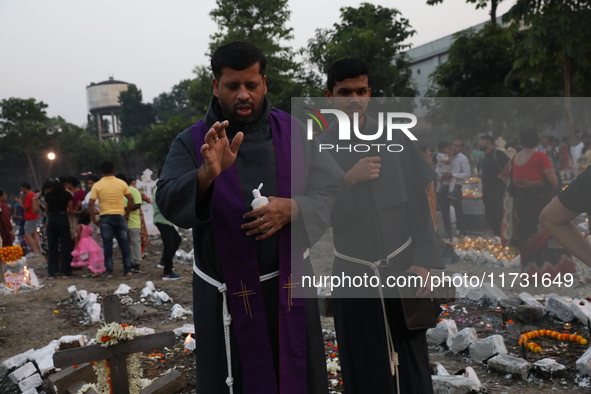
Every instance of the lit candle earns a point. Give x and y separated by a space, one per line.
488 327
567 326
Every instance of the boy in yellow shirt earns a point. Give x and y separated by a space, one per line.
110 192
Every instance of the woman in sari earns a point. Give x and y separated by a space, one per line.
533 181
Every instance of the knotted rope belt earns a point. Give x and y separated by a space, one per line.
226 316
375 267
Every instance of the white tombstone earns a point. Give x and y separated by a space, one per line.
146 185
500 143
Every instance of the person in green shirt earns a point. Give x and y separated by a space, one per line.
133 226
170 239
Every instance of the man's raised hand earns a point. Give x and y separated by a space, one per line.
217 151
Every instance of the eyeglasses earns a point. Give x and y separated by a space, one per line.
456 146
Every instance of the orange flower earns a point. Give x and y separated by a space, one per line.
105 338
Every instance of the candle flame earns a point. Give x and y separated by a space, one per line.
26 277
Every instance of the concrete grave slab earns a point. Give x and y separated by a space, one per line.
31 382
14 362
507 364
529 300
22 373
140 311
69 378
549 368
462 340
487 348
559 307
444 330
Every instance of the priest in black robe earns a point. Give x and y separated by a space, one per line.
245 336
382 206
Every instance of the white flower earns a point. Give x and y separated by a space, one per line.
332 366
110 334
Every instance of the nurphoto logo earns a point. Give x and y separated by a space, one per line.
392 121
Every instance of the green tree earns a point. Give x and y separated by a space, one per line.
91 126
83 151
479 64
558 34
375 35
471 72
262 23
479 4
136 116
175 103
23 124
200 91
89 153
156 141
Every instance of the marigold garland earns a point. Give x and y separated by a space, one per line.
110 334
11 253
535 348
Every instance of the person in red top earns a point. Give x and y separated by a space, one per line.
533 182
30 218
6 230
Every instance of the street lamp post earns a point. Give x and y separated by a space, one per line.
51 157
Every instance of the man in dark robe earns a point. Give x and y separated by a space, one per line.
493 188
251 336
381 208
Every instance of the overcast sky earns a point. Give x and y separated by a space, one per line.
52 50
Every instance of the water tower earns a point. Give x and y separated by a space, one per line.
103 102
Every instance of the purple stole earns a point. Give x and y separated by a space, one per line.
237 255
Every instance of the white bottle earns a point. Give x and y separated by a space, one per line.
258 201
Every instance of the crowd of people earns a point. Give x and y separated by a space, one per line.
73 228
488 159
517 183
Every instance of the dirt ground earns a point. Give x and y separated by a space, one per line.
33 319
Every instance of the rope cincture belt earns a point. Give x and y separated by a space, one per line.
375 267
226 316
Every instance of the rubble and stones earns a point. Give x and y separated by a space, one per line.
445 329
